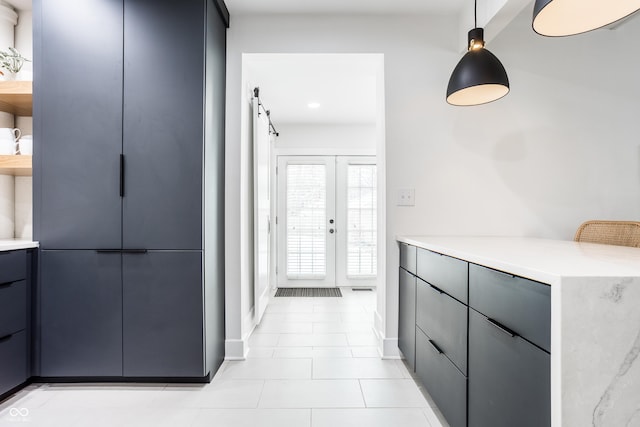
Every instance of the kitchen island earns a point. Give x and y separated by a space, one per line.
594 317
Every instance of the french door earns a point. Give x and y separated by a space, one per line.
326 221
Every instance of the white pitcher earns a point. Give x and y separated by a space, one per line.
10 133
8 138
8 146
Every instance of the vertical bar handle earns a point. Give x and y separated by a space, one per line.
121 175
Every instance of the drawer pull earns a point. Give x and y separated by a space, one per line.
437 289
121 251
6 338
502 328
435 347
5 285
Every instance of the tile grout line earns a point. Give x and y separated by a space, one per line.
264 382
362 393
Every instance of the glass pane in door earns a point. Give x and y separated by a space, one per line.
361 221
306 212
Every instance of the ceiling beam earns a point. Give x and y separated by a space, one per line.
493 15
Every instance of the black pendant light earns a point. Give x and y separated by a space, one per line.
568 17
479 77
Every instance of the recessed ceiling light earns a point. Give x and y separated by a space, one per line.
313 105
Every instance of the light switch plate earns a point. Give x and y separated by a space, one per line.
406 197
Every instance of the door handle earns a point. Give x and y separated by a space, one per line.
331 230
109 251
121 175
6 338
437 289
501 328
134 251
435 347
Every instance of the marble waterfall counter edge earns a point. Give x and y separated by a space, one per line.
16 244
595 320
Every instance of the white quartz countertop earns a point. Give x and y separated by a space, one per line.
543 260
15 244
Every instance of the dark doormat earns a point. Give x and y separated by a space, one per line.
309 292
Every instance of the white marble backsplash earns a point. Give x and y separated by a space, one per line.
23 210
6 206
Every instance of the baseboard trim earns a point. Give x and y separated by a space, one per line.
387 347
147 380
235 349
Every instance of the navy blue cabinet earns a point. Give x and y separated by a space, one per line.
15 328
509 378
81 314
131 130
481 339
163 328
163 123
407 318
77 123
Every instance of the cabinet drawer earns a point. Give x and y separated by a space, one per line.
407 317
519 304
444 382
13 266
448 274
509 378
444 320
13 307
408 257
13 361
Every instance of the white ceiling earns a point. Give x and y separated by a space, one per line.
344 86
346 6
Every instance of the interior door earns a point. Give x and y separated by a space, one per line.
261 207
306 221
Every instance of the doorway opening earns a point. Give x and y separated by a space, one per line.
325 226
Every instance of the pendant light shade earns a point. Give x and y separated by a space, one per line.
557 18
479 77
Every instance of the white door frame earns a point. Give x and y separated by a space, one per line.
282 278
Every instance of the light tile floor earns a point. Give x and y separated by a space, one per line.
313 363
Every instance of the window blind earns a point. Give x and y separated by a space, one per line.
306 221
361 221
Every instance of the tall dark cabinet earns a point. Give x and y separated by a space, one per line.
129 187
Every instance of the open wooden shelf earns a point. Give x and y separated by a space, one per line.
19 165
16 97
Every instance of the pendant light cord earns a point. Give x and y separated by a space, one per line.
475 14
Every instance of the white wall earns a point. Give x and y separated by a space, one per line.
550 155
329 139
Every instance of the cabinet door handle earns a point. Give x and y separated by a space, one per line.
5 285
435 347
121 251
6 338
121 175
437 289
501 328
